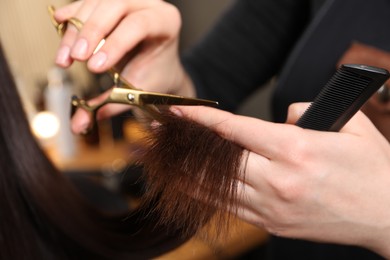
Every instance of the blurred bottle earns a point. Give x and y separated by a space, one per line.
57 100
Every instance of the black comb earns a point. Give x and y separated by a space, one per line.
344 94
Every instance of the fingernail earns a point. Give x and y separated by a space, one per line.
80 48
63 55
155 124
84 128
176 111
97 60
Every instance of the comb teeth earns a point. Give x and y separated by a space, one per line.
344 94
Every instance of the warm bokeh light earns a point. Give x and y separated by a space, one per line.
45 125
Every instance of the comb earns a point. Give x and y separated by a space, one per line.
342 96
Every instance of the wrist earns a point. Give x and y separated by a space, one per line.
188 86
184 84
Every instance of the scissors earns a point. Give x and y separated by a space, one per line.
123 91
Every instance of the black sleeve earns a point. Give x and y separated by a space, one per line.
245 48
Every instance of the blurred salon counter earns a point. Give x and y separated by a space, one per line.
244 242
100 150
114 155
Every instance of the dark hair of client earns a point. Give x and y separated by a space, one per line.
190 174
43 216
194 174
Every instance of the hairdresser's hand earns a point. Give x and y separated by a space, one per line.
323 186
142 35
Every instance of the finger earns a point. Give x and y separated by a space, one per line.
81 11
359 124
243 208
128 34
133 29
252 168
256 189
61 15
295 111
66 12
80 46
101 21
264 138
248 215
111 110
81 119
356 124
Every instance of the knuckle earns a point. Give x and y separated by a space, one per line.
297 150
122 4
274 227
289 189
91 30
225 127
225 131
173 13
139 22
89 2
280 220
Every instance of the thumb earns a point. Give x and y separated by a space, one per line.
82 120
295 111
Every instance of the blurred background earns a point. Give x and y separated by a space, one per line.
30 43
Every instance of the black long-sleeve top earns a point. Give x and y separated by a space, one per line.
246 48
297 41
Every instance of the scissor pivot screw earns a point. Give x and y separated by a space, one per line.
130 97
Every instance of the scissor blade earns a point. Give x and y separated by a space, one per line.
156 99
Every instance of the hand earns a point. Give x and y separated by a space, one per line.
322 186
141 34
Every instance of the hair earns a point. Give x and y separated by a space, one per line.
193 173
43 215
190 174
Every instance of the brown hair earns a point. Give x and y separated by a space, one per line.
190 173
42 214
193 172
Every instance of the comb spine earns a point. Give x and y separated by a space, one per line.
343 95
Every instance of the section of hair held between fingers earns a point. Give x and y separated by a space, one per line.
191 174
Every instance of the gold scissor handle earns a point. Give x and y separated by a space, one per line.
61 27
